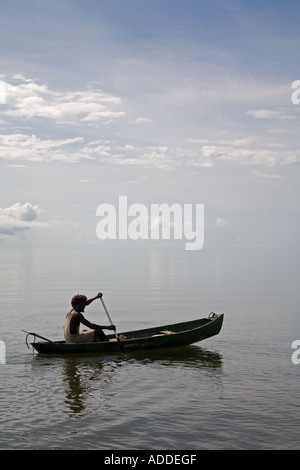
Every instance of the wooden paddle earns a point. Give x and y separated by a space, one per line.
110 321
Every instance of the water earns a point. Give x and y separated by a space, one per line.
238 390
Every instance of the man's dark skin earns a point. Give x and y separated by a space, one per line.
79 318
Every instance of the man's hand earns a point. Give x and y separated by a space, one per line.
111 327
98 296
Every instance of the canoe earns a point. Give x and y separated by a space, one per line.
167 336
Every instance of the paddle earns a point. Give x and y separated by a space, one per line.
110 321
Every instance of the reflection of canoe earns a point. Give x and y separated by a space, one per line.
167 336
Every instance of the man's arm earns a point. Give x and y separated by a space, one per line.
89 301
93 326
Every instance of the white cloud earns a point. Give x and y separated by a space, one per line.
32 148
244 151
220 222
284 114
161 156
259 174
19 217
142 120
247 152
28 100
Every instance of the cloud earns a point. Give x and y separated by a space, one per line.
27 99
19 217
160 157
284 114
238 154
259 174
249 151
141 120
32 148
195 146
220 222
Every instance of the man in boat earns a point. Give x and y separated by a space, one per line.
75 317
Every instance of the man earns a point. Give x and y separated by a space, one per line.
75 317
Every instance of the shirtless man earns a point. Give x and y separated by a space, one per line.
75 317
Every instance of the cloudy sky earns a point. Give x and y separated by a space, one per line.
164 101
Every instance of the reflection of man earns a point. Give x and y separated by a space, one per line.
75 317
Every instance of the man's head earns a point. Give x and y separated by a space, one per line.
79 302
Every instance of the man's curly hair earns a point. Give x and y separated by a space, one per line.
78 298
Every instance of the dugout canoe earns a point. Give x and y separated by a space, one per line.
166 336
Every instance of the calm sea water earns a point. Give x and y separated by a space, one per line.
238 390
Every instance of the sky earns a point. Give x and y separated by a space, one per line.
162 101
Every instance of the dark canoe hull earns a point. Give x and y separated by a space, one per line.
167 336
